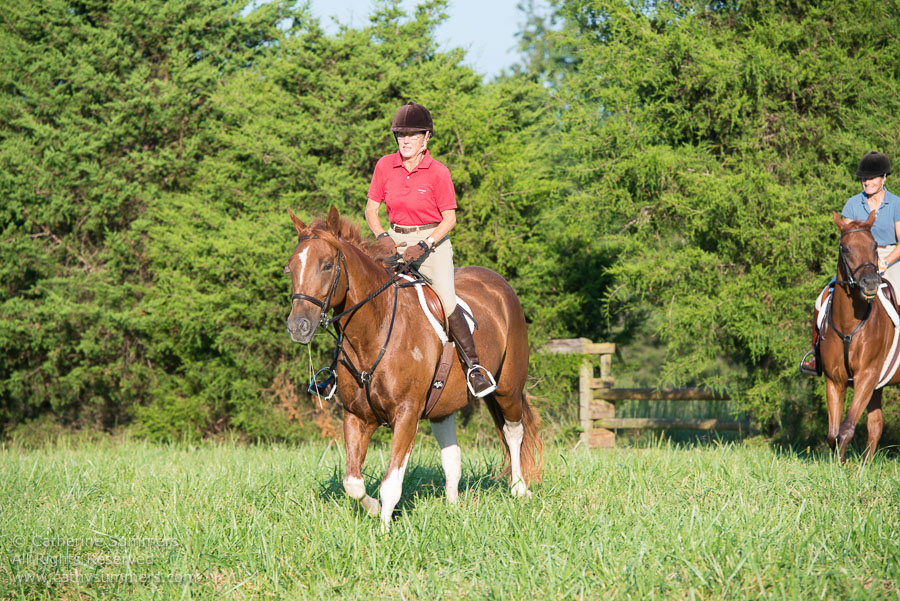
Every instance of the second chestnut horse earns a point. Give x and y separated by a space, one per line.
856 337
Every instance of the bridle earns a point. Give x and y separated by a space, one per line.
851 281
851 273
324 305
363 378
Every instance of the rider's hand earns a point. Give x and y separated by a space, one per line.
882 265
386 247
414 253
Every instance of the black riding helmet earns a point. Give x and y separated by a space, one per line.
412 118
873 164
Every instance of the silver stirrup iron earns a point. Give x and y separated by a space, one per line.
490 378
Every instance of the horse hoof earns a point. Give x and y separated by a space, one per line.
372 506
520 490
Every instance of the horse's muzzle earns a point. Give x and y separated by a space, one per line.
301 329
868 285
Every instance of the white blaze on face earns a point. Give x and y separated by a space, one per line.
417 354
302 257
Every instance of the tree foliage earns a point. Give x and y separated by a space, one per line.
710 142
652 173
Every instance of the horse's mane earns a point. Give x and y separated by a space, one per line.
347 232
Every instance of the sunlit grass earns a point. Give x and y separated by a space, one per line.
137 521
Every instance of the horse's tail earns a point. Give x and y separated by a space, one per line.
532 454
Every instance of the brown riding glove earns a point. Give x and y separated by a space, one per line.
414 253
386 247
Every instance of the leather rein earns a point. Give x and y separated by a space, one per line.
363 378
851 282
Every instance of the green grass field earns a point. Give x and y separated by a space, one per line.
138 521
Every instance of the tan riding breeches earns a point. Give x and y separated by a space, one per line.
892 273
437 266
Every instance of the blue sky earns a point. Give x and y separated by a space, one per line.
484 28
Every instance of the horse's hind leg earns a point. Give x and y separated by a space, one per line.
514 434
357 434
445 433
874 424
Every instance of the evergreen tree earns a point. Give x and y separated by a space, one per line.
710 143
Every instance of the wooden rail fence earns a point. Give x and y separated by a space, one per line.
597 398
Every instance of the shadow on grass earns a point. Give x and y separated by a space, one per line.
421 482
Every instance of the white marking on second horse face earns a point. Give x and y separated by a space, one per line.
417 354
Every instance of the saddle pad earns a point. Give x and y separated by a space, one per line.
893 357
436 323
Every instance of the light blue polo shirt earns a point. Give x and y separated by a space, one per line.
888 213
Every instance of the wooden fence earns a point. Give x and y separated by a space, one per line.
597 398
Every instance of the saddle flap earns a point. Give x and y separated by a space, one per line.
434 303
890 294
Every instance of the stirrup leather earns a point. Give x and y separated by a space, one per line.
490 379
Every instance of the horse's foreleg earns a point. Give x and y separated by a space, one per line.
405 427
864 387
834 393
874 424
451 458
514 433
357 434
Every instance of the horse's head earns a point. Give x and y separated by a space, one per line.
858 258
318 275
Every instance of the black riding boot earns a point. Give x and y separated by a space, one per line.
479 385
809 365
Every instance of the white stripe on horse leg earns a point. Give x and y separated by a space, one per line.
356 489
451 457
391 488
514 433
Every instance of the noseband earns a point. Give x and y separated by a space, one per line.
851 273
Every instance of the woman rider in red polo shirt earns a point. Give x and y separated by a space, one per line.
421 206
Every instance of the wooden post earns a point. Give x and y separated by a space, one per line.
585 397
603 437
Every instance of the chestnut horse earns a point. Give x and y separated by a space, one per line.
856 336
389 352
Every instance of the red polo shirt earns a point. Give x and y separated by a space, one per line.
412 197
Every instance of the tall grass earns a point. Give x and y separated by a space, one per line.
137 521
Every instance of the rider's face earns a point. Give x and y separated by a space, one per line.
872 185
411 144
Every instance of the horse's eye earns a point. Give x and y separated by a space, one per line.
327 266
843 250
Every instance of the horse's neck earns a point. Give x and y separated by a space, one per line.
363 326
847 308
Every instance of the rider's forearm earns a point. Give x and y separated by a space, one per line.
447 222
372 218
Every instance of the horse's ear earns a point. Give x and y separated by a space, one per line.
334 221
297 223
871 220
838 220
